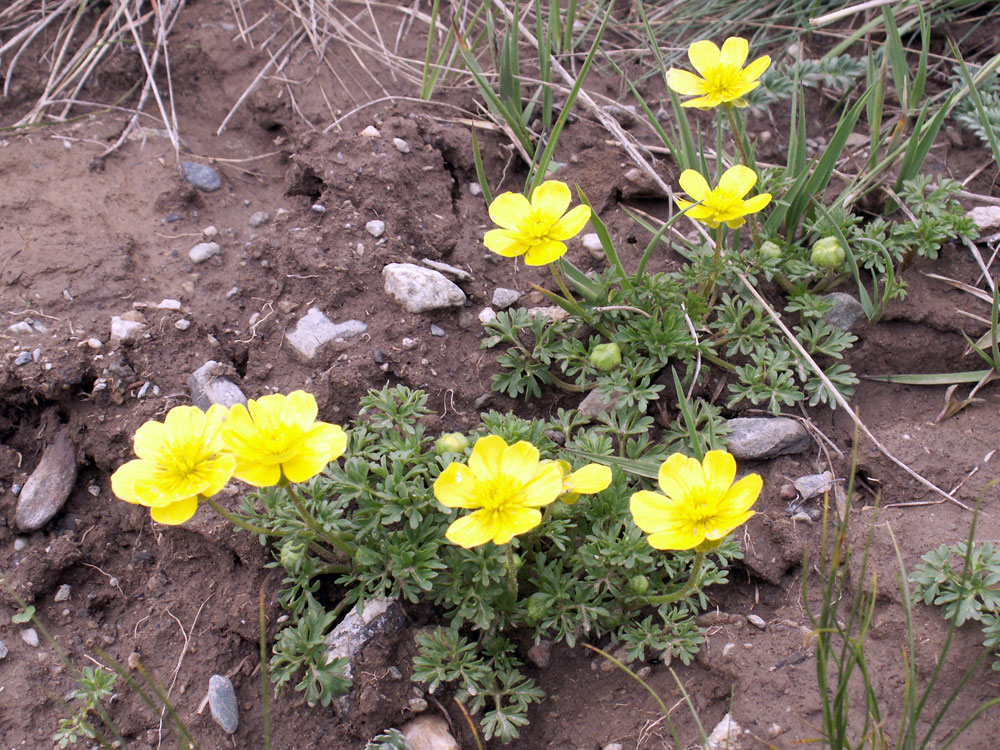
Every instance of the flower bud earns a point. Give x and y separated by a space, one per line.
606 357
536 608
769 250
451 442
827 253
638 585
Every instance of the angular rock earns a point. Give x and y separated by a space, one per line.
401 146
487 314
597 403
985 217
22 326
553 313
3 650
592 244
428 732
380 619
30 636
314 330
63 593
846 311
209 385
223 704
259 217
49 485
504 298
375 227
203 251
420 289
127 328
766 437
727 735
201 176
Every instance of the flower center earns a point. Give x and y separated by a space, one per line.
500 494
722 83
723 201
536 226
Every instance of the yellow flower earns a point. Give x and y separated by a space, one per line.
584 481
277 437
725 203
535 229
700 504
507 483
723 80
178 460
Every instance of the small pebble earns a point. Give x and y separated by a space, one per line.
15 490
614 746
36 354
232 292
318 208
259 217
201 176
95 343
62 593
375 227
3 650
171 218
438 331
393 673
30 636
757 621
408 343
475 188
169 304
141 394
183 324
93 489
504 298
379 357
22 359
417 705
203 251
22 326
541 654
370 132
401 146
210 231
20 542
487 314
222 702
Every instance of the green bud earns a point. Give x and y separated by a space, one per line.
827 253
451 442
536 608
770 250
606 357
638 585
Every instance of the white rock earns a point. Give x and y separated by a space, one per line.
592 243
169 304
857 140
986 217
21 327
757 621
766 437
259 217
381 619
552 313
126 330
203 251
375 227
94 343
487 314
210 231
183 324
428 732
370 132
504 298
475 188
209 385
725 736
30 636
318 208
62 593
401 146
314 330
420 289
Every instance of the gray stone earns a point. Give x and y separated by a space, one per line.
727 735
62 593
846 311
203 251
380 619
127 328
201 176
209 385
169 304
223 704
318 208
541 654
428 732
592 244
183 324
22 359
597 403
504 298
314 330
375 227
370 132
766 437
20 542
22 326
438 331
36 354
553 313
487 314
475 189
614 746
3 650
757 621
420 289
258 218
49 485
813 485
30 636
401 146
447 269
94 343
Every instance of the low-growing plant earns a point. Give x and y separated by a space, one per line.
94 686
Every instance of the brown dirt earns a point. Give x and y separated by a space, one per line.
80 242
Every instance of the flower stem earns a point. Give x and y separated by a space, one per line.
334 539
237 521
511 575
577 308
709 291
692 583
739 135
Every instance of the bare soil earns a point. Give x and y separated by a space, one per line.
83 240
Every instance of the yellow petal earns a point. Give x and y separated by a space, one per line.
738 180
704 102
756 203
720 470
505 243
544 252
704 56
455 487
685 83
544 487
742 495
325 440
484 461
723 525
220 471
551 199
734 53
300 409
149 439
570 224
590 478
651 511
678 475
304 466
509 210
694 184
124 479
754 70
266 412
184 422
175 513
515 521
520 462
257 473
677 538
472 530
732 223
